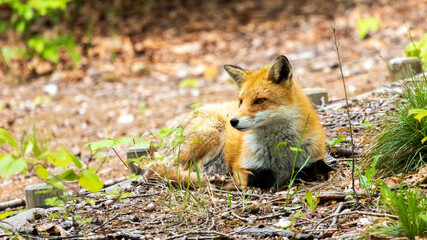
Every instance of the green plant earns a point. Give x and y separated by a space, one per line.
18 156
335 141
418 49
189 83
367 124
293 173
365 25
367 181
310 202
419 115
401 141
410 206
142 107
26 14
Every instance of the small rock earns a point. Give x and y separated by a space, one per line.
348 198
254 208
93 72
363 221
96 220
150 207
283 223
66 224
51 89
108 202
296 200
125 118
134 218
140 68
266 232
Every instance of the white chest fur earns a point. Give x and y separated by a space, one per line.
263 141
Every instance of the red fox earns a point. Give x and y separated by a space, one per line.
242 138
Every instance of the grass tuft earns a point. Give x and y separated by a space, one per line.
400 141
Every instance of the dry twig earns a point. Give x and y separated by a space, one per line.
334 28
358 213
199 233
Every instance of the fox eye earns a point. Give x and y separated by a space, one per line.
260 100
240 102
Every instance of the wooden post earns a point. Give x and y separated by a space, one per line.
136 153
318 96
36 194
404 67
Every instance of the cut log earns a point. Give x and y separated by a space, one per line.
36 194
404 67
318 96
136 153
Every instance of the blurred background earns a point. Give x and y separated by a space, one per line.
82 71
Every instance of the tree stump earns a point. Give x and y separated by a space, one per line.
404 67
136 153
318 96
36 194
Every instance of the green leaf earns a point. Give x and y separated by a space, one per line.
3 26
126 140
420 113
68 175
5 137
10 165
63 158
335 141
296 149
423 140
90 181
42 172
6 214
365 25
107 143
20 26
189 83
280 144
37 43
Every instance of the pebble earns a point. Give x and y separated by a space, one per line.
150 207
283 223
254 208
348 198
66 225
108 202
224 215
51 89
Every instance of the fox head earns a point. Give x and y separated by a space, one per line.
265 95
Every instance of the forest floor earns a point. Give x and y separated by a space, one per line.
128 83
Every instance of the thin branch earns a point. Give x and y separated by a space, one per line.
337 211
334 28
104 223
199 233
120 158
273 215
358 213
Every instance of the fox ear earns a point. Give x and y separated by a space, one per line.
236 73
280 71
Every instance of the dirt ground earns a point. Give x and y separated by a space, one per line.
148 56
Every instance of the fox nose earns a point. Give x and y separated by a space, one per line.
234 122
